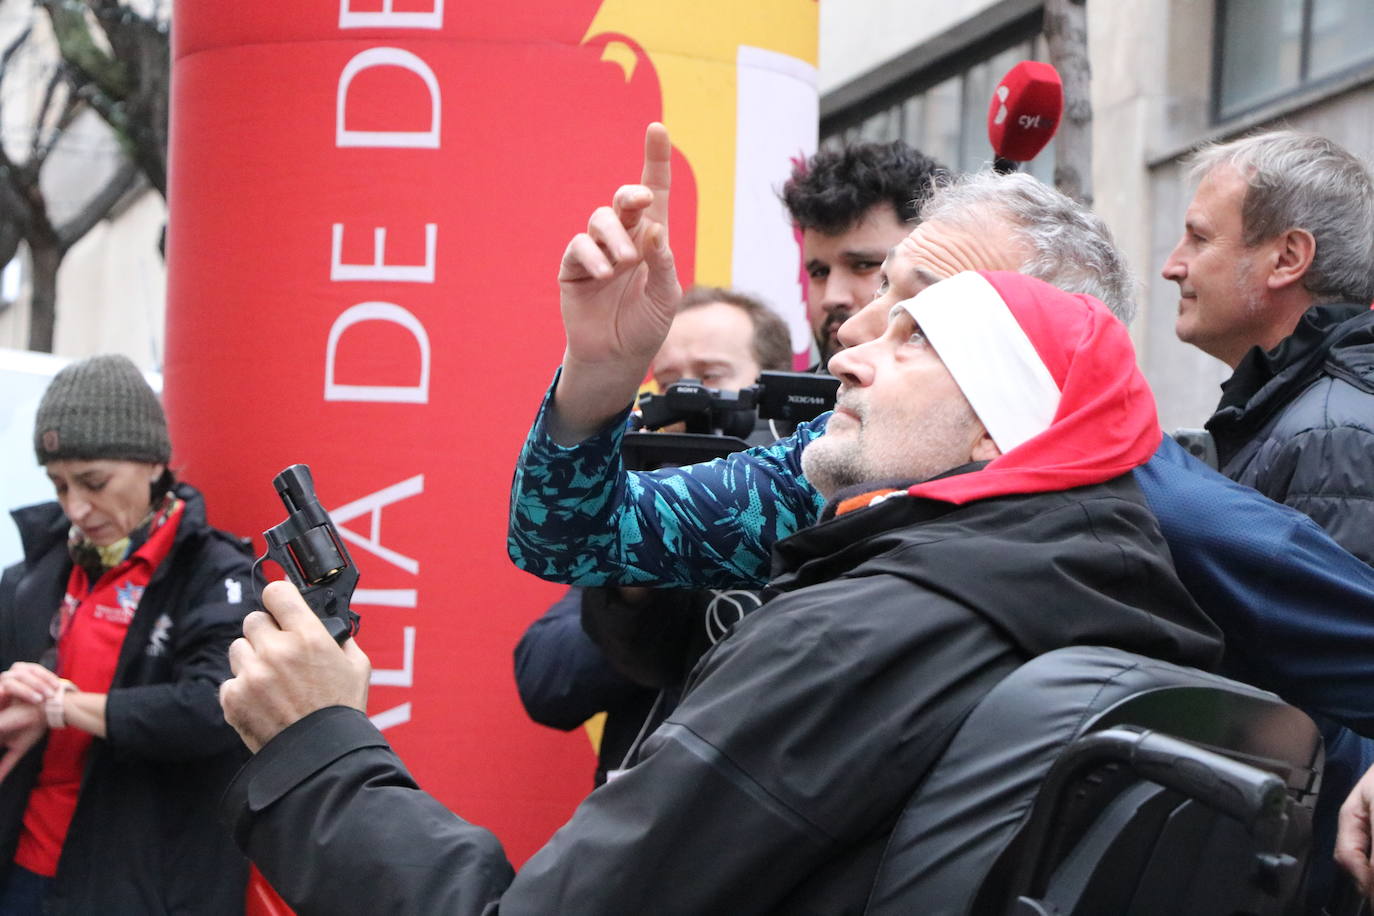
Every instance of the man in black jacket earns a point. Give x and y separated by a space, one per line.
1276 275
980 513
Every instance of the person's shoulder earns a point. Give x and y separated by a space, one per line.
1185 491
205 547
804 626
42 528
1117 494
1332 402
1341 394
11 575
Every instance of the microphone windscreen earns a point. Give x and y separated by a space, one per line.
1025 111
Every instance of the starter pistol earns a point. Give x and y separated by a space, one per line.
307 546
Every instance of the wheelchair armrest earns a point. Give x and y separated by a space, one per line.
1255 798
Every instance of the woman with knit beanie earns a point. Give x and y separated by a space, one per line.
114 633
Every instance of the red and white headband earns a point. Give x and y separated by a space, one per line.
989 355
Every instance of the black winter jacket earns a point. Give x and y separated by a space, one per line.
144 838
592 651
564 679
1297 423
774 785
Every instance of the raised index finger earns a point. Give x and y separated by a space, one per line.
658 171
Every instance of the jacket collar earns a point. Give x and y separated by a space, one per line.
43 526
1266 381
852 517
849 499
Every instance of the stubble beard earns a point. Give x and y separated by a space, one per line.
1216 332
941 441
827 344
1252 302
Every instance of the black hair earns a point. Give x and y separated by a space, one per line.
159 488
834 189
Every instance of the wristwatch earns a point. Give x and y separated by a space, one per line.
53 707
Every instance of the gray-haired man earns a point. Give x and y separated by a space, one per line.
1269 576
1276 273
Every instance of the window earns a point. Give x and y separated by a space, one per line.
947 120
1267 49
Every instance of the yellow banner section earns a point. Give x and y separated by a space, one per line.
694 46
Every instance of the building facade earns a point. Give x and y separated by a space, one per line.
111 285
1166 76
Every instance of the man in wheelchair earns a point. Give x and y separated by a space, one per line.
980 513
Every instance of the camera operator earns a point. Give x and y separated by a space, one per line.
626 651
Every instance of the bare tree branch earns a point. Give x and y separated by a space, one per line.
75 83
80 49
108 108
128 88
15 204
10 237
120 25
38 150
108 10
72 106
13 48
1066 34
98 207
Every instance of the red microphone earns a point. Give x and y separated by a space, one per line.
1024 114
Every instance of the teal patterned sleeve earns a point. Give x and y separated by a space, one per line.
578 517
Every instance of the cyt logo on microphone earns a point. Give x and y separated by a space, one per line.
1025 111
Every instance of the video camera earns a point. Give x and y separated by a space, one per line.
717 422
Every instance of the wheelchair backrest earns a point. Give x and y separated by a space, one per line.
954 849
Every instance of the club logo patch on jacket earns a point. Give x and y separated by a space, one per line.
127 596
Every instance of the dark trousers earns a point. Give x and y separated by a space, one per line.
23 893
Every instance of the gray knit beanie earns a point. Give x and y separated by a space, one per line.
101 407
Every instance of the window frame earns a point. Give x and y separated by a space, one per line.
886 93
1305 84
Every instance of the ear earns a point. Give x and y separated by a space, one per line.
1292 254
156 473
984 449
